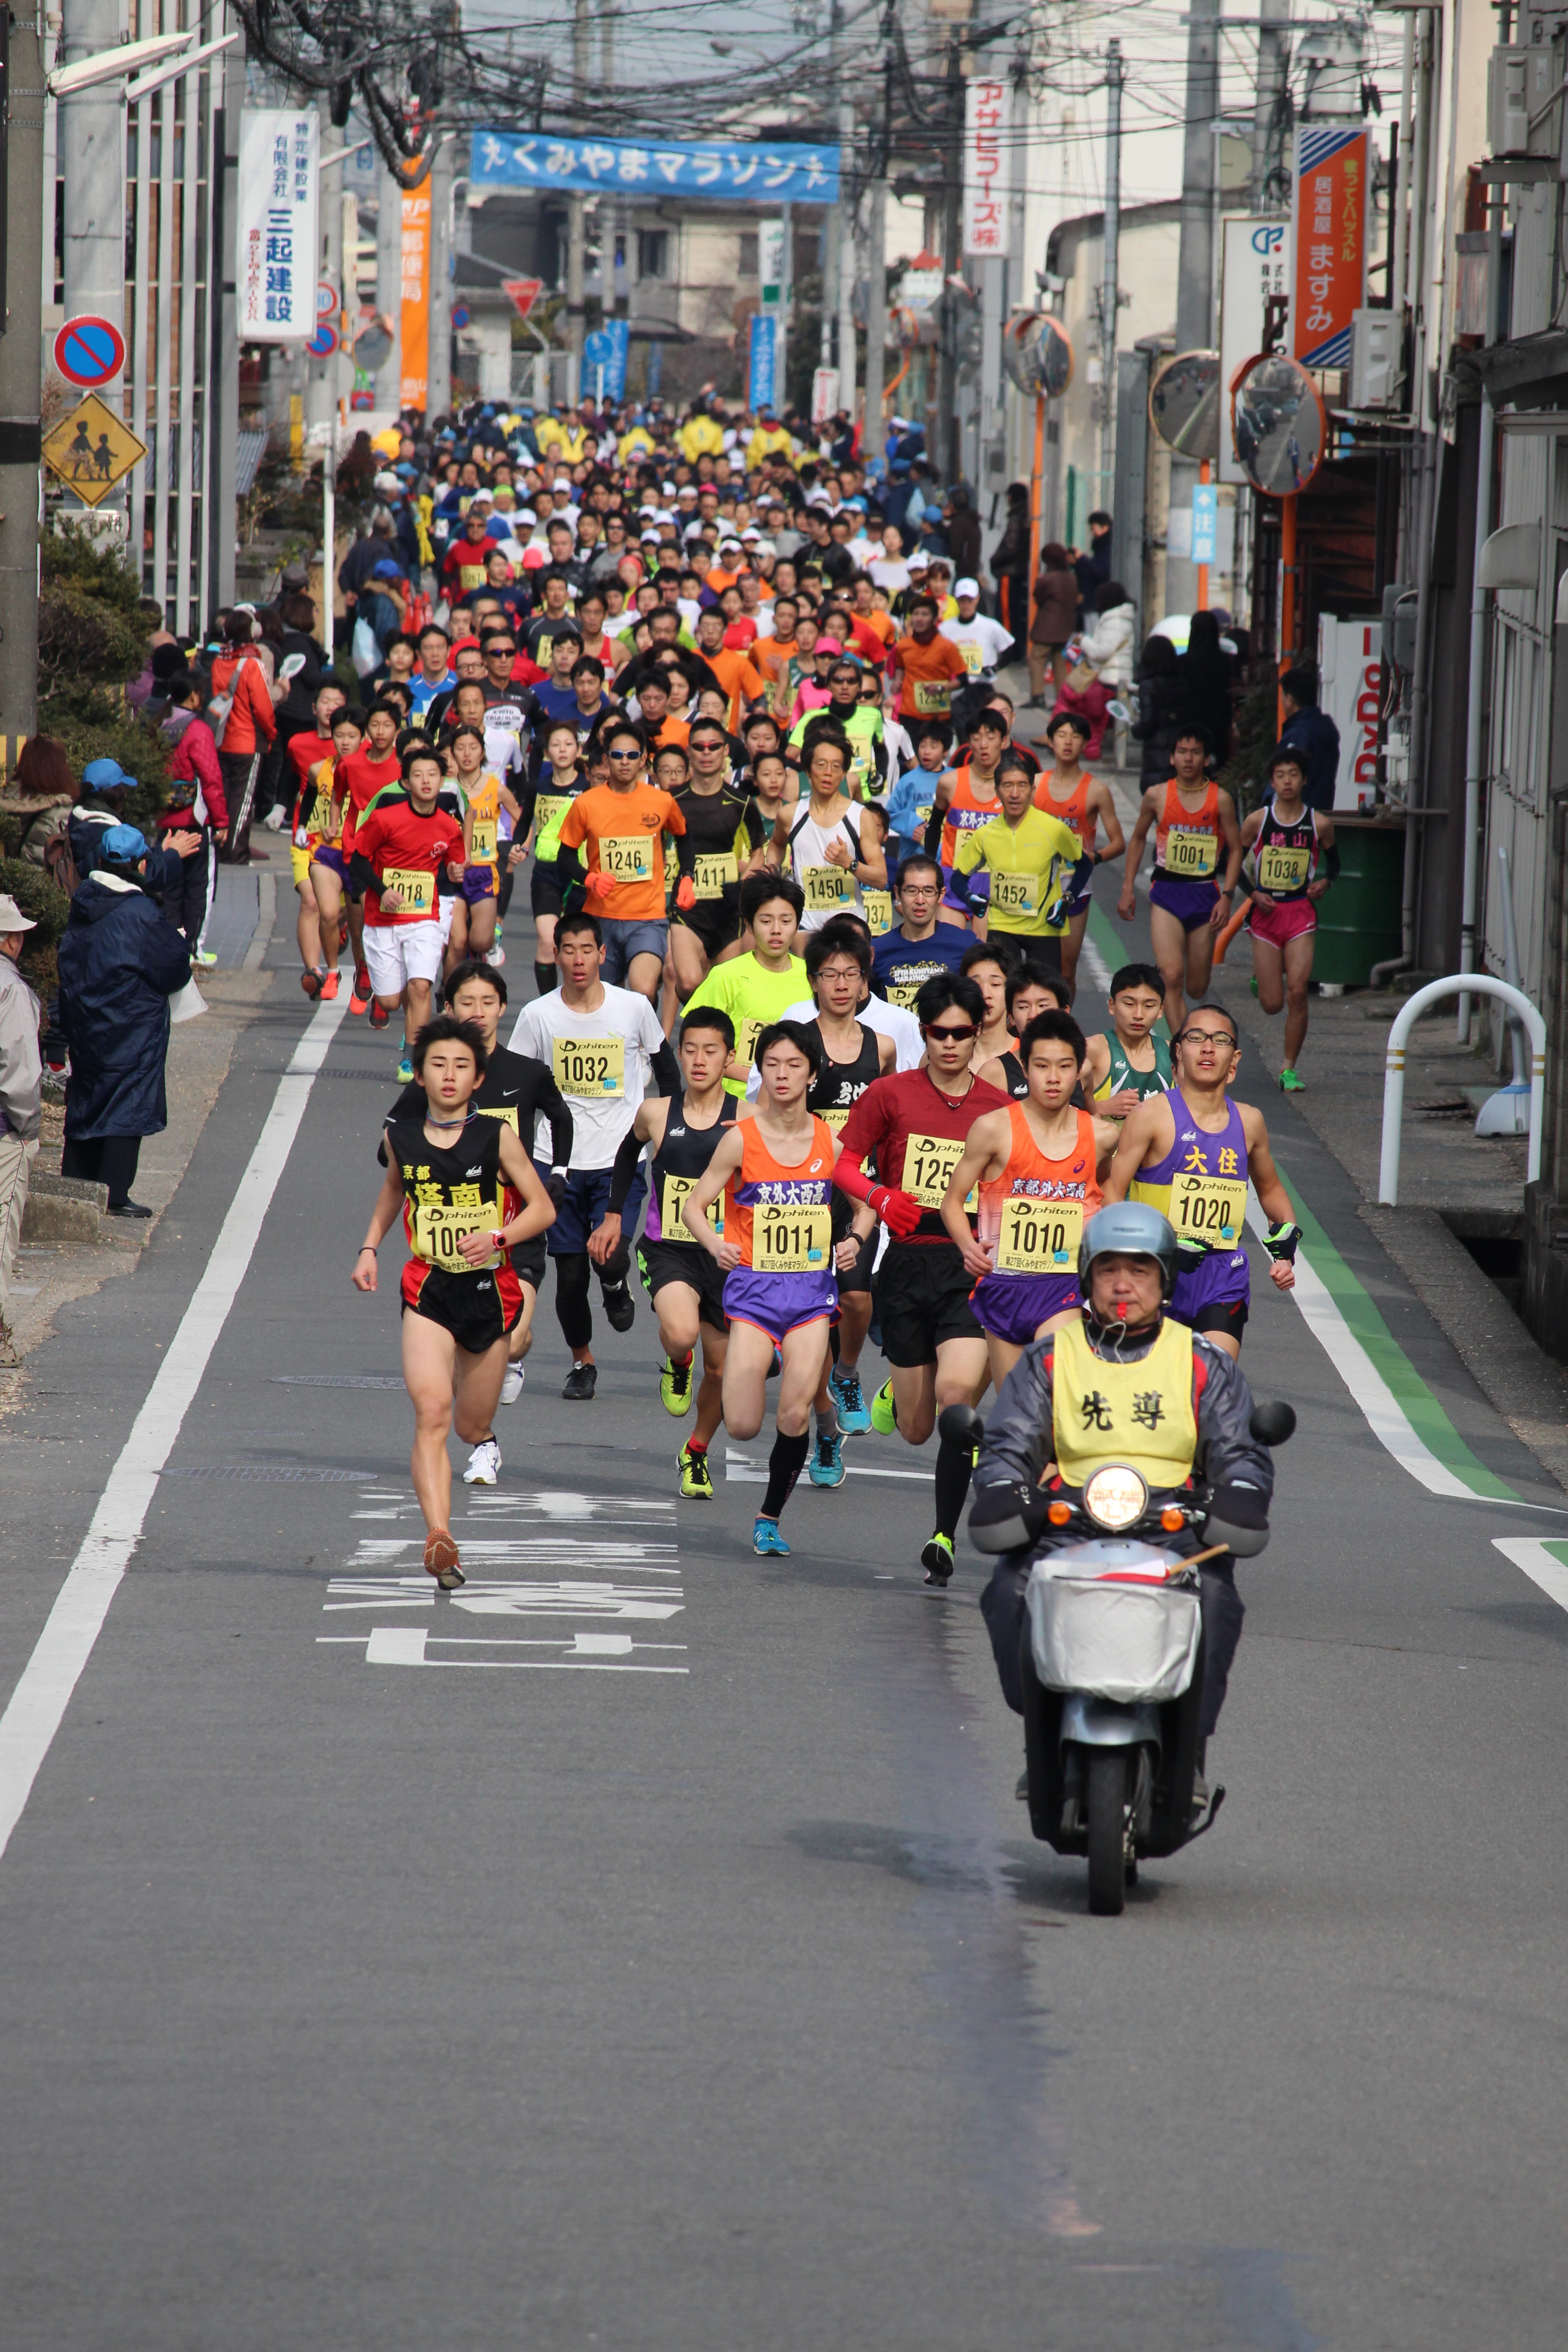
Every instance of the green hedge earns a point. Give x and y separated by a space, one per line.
49 907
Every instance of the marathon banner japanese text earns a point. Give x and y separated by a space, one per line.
279 154
778 173
1328 242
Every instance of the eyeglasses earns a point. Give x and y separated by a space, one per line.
957 1036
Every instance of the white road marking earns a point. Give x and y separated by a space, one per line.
1542 1566
39 1703
404 1645
1094 964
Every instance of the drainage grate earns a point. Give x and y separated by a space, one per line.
253 1470
337 1381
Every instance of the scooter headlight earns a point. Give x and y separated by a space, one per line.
1115 1496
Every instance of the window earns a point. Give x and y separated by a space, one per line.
653 253
748 262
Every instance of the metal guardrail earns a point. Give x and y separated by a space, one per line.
1476 983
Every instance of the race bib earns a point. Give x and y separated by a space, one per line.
1208 1209
711 872
904 992
505 1112
836 1117
973 659
1191 854
589 1067
673 1199
1038 1237
483 835
933 695
549 810
627 857
417 888
922 814
827 888
876 905
438 1230
1283 867
792 1241
1015 894
746 1037
929 1164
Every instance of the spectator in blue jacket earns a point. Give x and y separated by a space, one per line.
1312 732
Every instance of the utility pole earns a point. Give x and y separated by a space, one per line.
1194 285
1110 288
1273 58
389 287
222 417
90 136
847 210
950 459
576 208
615 233
438 364
871 436
21 378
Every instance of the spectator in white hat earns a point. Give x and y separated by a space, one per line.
21 1100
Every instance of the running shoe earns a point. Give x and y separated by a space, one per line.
312 983
581 1383
405 1070
484 1465
766 1539
329 988
441 1561
380 1013
884 1418
496 956
511 1384
204 958
854 1413
1290 1084
937 1559
696 1478
361 996
675 1388
827 1463
620 1306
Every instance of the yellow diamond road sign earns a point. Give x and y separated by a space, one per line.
91 449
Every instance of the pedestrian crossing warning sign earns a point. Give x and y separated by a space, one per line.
91 449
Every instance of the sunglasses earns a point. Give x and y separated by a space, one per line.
958 1036
625 757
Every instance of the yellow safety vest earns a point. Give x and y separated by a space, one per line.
1140 1414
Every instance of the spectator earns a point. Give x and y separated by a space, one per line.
1056 618
41 795
1106 650
21 1100
119 963
195 815
1312 732
963 533
1160 707
1010 561
248 727
358 563
1206 671
1093 570
105 787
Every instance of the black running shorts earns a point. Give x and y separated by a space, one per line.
662 1262
923 1291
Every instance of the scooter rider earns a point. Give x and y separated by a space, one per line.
1130 1384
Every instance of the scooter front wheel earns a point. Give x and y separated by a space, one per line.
1106 1810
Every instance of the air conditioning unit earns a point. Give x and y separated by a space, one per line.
1374 360
1521 83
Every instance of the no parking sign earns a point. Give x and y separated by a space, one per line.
90 352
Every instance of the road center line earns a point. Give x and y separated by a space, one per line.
41 1696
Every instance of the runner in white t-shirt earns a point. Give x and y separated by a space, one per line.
982 641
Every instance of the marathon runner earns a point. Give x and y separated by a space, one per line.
775 1172
685 1284
1190 1153
316 855
918 947
757 989
911 1129
723 843
1031 859
991 964
1193 822
839 967
1035 1165
829 857
1031 991
562 777
466 1193
484 797
909 805
1287 840
407 855
600 1043
924 667
966 800
1128 1061
1082 802
623 825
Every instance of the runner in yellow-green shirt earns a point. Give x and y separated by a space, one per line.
1030 858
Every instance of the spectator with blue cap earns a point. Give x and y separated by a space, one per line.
120 962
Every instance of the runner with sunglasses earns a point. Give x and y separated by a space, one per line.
911 1129
621 827
1190 1153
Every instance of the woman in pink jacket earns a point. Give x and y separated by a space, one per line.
250 728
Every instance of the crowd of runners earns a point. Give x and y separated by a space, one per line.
804 1057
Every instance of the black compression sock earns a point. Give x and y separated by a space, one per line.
545 978
954 1465
785 1464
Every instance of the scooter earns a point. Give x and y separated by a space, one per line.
1113 1669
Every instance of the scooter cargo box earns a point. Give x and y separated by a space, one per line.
1124 1642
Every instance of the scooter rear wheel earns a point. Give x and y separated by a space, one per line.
1107 1795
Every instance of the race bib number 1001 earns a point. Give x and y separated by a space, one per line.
1191 854
589 1067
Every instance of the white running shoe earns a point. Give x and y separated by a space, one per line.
511 1386
495 957
484 1464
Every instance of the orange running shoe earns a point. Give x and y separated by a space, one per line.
441 1560
361 991
329 988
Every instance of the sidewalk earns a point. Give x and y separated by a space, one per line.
1451 1181
62 1264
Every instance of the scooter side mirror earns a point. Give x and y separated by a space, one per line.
960 1424
1271 1425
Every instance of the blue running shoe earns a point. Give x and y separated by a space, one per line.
827 1463
766 1539
854 1413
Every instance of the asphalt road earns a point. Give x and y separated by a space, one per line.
393 1971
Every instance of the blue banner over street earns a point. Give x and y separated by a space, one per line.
779 173
762 378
